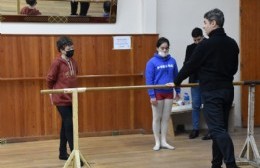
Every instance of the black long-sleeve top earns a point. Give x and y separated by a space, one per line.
215 60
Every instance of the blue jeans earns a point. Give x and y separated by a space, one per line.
217 104
196 104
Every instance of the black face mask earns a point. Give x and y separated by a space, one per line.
70 53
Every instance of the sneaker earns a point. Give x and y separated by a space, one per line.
194 134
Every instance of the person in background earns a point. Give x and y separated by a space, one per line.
84 6
216 61
63 74
161 69
106 8
30 9
197 36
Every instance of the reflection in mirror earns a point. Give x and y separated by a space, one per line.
58 11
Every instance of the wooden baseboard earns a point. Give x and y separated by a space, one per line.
81 135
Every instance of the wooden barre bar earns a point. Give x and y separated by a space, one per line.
79 76
70 90
110 75
66 90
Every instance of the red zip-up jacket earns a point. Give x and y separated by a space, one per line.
62 74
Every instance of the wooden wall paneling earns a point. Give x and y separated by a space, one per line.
7 119
28 51
145 48
26 59
250 50
132 83
257 55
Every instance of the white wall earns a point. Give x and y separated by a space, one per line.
177 18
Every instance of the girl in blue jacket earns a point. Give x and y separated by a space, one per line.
161 70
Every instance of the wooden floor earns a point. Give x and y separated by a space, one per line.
123 151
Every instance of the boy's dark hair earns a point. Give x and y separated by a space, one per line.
217 15
106 6
162 40
196 32
62 42
31 2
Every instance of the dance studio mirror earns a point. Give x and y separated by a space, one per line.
60 11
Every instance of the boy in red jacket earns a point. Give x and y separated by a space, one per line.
63 74
30 9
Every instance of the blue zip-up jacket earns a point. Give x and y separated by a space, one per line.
160 71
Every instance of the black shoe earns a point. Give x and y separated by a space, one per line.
194 134
231 165
206 137
81 163
64 157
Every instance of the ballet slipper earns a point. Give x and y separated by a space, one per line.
167 146
156 147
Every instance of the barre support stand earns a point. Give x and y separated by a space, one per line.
249 153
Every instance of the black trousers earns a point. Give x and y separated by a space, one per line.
66 131
84 6
217 104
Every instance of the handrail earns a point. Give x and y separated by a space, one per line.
110 75
83 89
79 76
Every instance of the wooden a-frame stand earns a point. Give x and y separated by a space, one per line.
75 156
249 154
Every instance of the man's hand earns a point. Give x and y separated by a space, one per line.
170 84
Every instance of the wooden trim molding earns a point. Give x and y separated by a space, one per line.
80 76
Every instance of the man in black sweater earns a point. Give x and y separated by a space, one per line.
216 61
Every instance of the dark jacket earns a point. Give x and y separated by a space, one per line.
215 60
193 78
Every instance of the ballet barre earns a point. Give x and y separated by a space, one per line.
248 155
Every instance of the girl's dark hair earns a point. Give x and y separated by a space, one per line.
62 42
31 2
162 40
